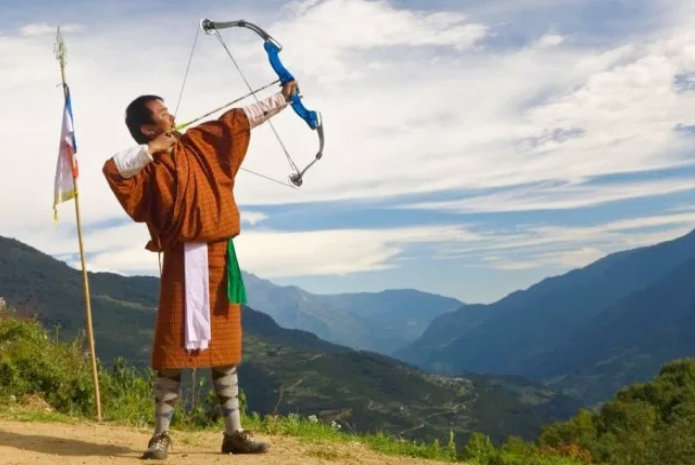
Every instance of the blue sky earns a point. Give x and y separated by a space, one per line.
472 148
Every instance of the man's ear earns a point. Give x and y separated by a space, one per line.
147 130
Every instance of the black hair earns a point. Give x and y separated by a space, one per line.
137 114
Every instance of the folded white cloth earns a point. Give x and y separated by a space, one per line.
197 282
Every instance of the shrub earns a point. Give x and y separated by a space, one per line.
32 363
479 448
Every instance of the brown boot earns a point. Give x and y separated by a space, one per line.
241 442
158 447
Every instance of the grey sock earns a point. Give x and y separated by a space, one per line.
226 384
166 392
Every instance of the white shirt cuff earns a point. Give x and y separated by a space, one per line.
131 161
260 111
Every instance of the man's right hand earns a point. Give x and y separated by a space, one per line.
162 143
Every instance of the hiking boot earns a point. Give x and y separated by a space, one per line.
158 447
241 442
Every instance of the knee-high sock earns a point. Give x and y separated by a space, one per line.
166 392
226 384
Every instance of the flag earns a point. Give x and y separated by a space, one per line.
66 170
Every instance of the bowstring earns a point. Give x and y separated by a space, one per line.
255 173
283 183
248 85
188 67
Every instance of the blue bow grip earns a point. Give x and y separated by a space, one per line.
285 76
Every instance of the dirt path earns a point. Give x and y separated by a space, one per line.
100 444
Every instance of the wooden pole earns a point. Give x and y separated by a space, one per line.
61 55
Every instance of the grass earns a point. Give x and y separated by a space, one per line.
314 432
44 379
29 413
306 431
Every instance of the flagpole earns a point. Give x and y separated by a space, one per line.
61 55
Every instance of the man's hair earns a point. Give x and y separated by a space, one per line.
137 114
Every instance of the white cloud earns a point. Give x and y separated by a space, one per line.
346 26
99 58
38 29
559 196
550 40
414 101
278 254
252 218
565 247
311 253
565 259
269 253
129 261
412 122
275 254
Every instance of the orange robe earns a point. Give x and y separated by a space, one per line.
187 196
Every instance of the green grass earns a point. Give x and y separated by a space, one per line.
318 432
44 379
35 365
24 413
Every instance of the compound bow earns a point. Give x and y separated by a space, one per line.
272 47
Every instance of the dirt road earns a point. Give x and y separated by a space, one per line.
100 444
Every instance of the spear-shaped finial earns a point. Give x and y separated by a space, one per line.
61 52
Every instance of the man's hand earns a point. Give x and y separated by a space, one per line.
289 89
162 143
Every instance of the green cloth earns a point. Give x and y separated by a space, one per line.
236 292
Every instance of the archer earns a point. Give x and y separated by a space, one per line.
181 186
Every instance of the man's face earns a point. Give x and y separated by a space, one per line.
162 120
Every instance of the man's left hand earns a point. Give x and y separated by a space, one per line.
289 89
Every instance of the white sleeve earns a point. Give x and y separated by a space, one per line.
129 162
260 111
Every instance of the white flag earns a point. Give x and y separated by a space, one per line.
67 161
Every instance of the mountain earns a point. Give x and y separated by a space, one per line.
381 322
585 319
442 332
287 370
51 290
365 391
630 340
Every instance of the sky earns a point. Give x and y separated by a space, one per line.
473 148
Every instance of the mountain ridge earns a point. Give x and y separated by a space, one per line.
288 370
515 334
382 321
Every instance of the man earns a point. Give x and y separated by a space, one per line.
181 186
